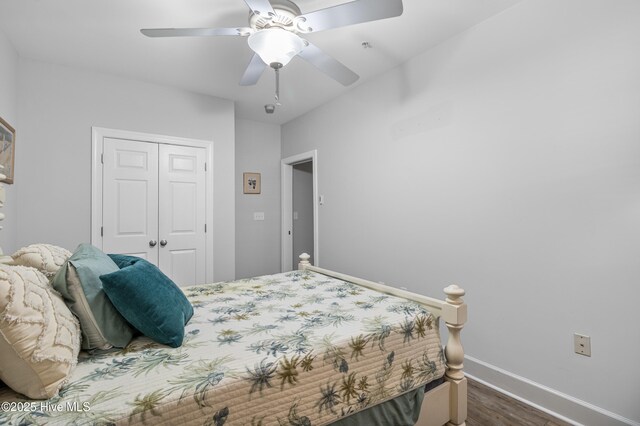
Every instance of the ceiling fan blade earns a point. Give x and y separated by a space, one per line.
328 65
351 13
196 32
253 72
260 7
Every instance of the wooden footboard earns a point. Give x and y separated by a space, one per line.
447 403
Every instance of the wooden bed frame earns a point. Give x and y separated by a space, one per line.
446 403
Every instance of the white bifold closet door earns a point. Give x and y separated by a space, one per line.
130 198
182 213
154 206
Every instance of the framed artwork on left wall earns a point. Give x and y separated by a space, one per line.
7 150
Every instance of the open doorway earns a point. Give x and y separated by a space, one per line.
299 209
302 218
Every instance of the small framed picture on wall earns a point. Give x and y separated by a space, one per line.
7 150
251 183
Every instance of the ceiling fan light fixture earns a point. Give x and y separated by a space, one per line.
275 45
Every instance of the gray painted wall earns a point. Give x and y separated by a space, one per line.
9 112
302 183
506 160
258 242
57 107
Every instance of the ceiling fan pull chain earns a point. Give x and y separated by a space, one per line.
277 69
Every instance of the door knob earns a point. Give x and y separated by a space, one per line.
152 243
163 243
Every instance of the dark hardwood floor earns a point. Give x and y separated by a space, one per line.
487 407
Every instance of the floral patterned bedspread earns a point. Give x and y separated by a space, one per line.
298 348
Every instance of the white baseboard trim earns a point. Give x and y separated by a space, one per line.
557 404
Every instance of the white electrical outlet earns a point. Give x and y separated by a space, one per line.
582 344
258 216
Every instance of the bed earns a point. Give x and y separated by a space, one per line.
308 347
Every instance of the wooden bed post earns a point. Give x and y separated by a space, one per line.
304 261
455 315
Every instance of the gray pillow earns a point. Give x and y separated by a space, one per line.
78 281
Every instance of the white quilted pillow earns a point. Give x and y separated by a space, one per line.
46 258
39 336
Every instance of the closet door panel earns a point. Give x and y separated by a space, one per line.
130 198
182 213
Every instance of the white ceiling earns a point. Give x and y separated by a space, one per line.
104 35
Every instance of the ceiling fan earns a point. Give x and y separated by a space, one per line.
274 34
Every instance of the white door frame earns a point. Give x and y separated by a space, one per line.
97 146
287 208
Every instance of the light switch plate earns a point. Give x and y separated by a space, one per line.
258 215
295 215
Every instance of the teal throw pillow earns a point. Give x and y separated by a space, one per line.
148 299
78 281
123 260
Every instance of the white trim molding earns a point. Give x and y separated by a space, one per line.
565 407
97 147
286 172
